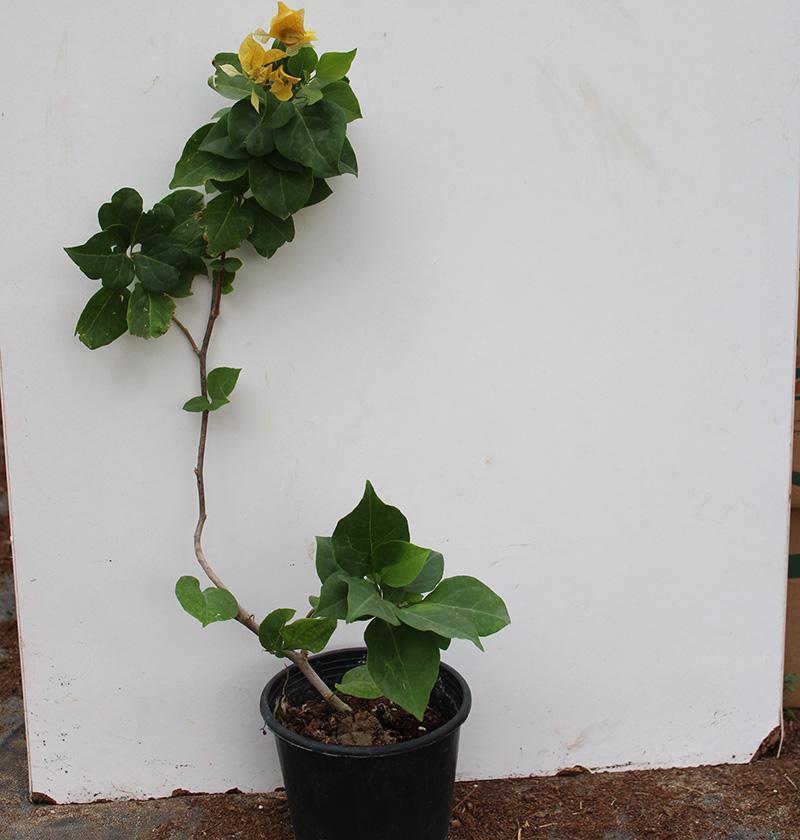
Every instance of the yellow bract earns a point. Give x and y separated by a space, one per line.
288 27
282 82
256 61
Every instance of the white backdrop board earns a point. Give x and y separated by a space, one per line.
553 320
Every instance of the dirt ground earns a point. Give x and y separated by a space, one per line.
756 801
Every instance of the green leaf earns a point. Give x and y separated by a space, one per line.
364 600
430 575
333 596
195 266
334 65
404 663
206 606
325 559
371 523
247 127
269 631
217 141
103 318
308 634
444 620
158 264
227 223
279 191
474 601
399 562
124 209
221 381
149 313
196 167
348 165
311 94
103 258
303 63
319 192
230 265
280 115
239 186
314 138
269 231
357 682
341 95
198 403
159 220
231 87
184 204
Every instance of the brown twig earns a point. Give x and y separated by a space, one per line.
185 330
244 617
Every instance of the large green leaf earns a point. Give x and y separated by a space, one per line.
371 523
325 558
364 600
228 222
269 231
217 141
399 562
103 318
348 164
158 264
474 601
159 220
404 663
308 634
102 257
333 596
124 209
280 191
314 138
248 128
149 313
441 619
334 65
303 63
184 204
430 575
341 95
357 682
269 631
319 192
195 167
207 606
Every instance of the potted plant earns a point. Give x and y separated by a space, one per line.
367 737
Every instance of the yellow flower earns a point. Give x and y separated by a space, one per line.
288 27
256 61
282 82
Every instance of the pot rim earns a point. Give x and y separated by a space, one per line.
379 751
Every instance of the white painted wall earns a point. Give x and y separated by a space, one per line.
553 321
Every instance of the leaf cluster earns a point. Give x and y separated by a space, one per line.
371 571
261 166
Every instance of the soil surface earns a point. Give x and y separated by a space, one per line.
372 722
757 801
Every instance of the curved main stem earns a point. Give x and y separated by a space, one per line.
245 617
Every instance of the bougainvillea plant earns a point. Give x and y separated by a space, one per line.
260 161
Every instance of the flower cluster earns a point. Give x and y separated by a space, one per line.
264 66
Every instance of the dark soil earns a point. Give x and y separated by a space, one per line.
372 723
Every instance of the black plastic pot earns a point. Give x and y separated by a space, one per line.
397 792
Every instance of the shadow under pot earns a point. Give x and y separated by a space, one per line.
401 791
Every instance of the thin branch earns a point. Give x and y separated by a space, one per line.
244 617
185 330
